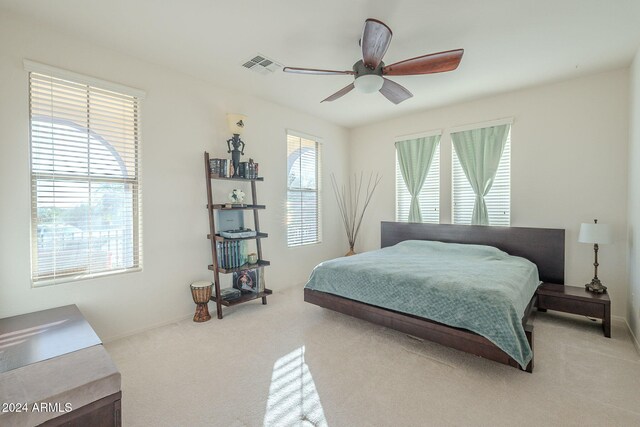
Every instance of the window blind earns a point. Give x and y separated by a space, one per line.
429 197
303 197
498 200
85 189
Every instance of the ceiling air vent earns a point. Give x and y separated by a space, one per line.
262 65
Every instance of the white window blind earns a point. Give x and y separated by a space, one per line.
498 200
303 196
85 189
429 197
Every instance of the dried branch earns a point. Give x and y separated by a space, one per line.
352 206
341 203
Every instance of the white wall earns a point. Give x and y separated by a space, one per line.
569 165
633 315
182 117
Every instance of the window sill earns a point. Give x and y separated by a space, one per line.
305 245
82 277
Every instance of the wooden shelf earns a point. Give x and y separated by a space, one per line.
260 178
223 207
232 239
214 236
244 298
261 263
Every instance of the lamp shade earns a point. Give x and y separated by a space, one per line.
236 123
595 233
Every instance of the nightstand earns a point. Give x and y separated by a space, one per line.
575 300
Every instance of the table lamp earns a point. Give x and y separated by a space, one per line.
597 234
236 124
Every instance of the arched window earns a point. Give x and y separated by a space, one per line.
303 196
84 174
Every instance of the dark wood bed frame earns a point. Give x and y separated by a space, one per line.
542 246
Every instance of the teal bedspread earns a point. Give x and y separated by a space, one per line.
479 288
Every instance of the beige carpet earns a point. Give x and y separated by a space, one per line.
294 364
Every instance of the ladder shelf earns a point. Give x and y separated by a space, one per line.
254 208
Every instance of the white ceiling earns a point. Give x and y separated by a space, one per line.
508 44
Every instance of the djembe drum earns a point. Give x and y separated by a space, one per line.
201 293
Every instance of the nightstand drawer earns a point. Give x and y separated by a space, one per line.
576 300
567 305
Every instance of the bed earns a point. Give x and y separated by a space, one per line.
477 296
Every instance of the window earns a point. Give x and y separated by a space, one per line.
498 200
429 196
85 169
303 196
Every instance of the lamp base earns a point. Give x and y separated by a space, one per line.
596 286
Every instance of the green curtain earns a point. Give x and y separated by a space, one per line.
479 152
414 158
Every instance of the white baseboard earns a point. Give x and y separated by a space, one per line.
623 322
636 343
146 328
164 323
619 319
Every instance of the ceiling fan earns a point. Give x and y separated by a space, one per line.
369 71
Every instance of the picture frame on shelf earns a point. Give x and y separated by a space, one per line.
246 281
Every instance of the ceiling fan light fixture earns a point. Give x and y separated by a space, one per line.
369 83
368 72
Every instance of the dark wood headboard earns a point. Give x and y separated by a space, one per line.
542 246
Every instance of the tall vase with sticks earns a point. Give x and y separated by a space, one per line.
352 203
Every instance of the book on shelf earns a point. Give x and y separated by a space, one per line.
223 168
251 170
214 167
230 294
231 254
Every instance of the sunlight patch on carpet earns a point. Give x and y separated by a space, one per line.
293 399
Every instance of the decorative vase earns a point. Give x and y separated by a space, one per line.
235 160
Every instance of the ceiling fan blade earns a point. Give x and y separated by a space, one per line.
313 71
426 64
338 94
375 40
394 92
